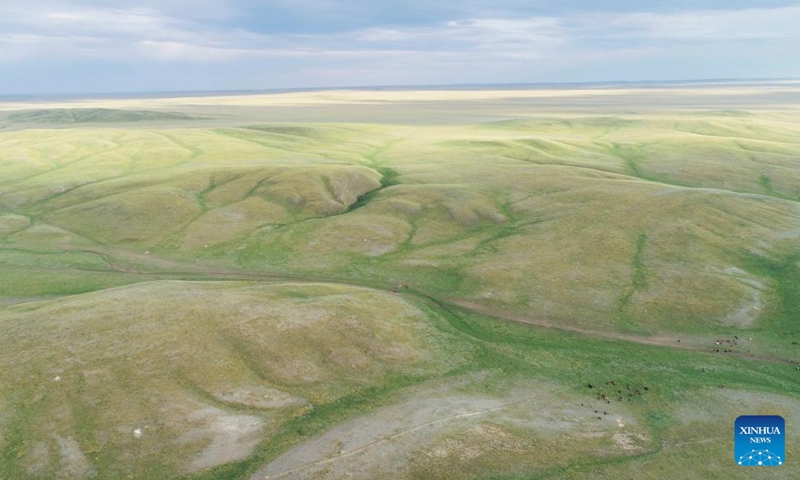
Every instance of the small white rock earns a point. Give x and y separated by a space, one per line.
57 379
137 433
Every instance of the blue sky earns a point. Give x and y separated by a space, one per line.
92 46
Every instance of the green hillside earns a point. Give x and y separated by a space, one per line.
429 299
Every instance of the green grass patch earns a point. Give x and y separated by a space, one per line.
68 116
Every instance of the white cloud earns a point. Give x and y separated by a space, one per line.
180 31
712 25
59 30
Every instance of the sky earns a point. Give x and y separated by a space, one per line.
92 46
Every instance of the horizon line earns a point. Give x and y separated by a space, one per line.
145 94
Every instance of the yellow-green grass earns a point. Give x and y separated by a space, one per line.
181 360
552 207
187 363
70 116
649 224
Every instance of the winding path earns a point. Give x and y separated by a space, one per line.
167 269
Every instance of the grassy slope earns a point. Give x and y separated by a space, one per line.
666 225
98 365
563 202
69 116
95 367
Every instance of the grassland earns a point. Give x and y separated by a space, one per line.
191 288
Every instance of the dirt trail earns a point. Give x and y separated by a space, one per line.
162 268
656 340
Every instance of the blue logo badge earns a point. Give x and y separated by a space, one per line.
760 441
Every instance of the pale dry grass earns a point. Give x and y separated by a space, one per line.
336 97
204 371
676 222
